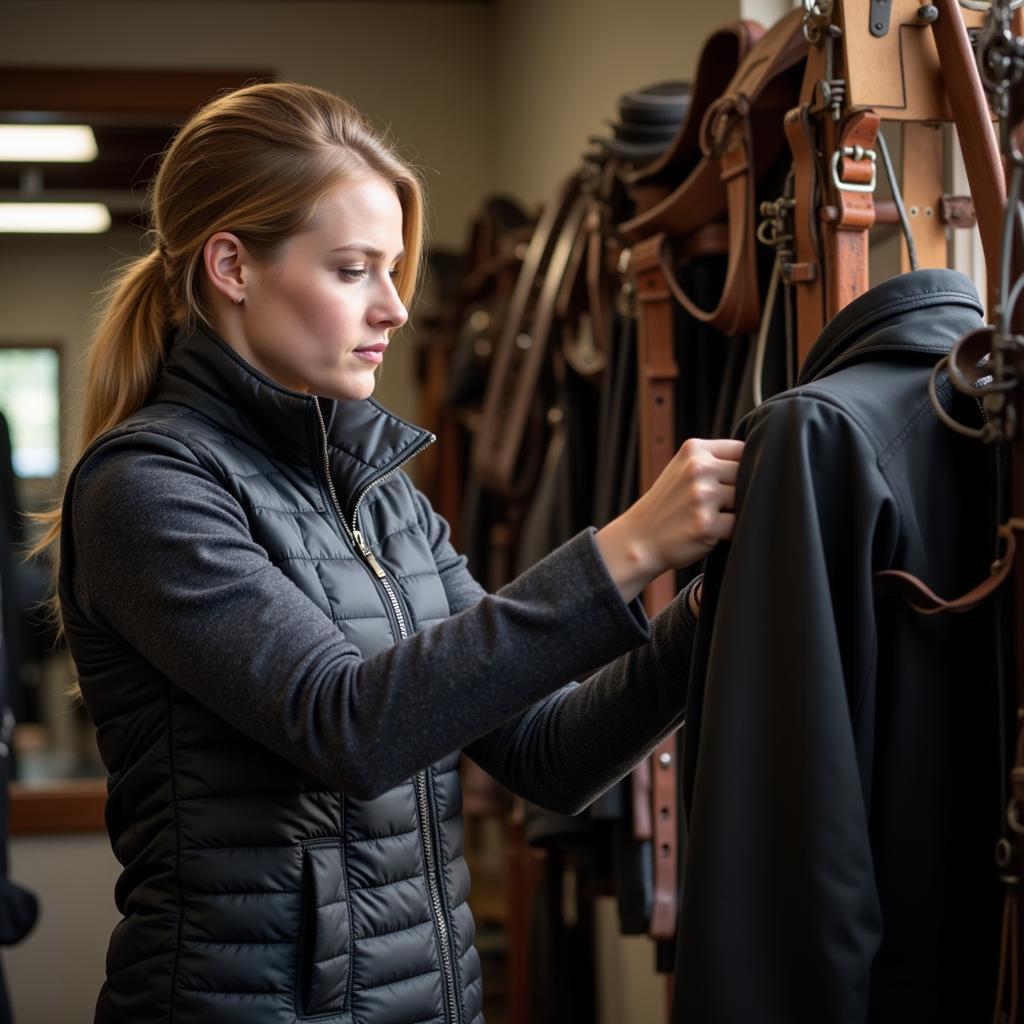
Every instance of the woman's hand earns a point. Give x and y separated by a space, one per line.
686 512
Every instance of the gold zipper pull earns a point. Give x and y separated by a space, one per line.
368 554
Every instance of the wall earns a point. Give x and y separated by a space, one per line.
54 975
422 70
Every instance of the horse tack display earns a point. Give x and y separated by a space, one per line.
809 96
860 72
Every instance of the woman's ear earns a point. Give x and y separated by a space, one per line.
226 261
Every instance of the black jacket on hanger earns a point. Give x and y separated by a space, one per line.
840 766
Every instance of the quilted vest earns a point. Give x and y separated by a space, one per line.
252 893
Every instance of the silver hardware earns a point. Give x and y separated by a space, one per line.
452 1010
985 7
857 153
665 760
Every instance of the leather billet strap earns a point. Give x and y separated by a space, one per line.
853 174
520 355
805 271
657 372
585 303
739 139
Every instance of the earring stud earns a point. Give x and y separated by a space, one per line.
238 302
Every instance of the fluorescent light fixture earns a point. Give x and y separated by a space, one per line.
47 143
54 218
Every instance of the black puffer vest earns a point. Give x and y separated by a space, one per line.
251 892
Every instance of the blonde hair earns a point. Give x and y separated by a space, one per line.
254 162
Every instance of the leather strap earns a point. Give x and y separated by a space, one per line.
923 599
739 138
846 239
586 296
975 132
657 372
805 272
520 355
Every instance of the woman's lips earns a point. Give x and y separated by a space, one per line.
372 353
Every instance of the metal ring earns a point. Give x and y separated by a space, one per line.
940 412
1004 853
1013 817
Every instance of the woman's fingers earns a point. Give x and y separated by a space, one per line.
725 448
725 472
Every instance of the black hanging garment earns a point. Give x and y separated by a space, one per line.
18 907
840 765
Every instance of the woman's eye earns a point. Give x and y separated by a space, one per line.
352 273
395 273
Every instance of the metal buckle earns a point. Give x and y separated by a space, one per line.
985 5
858 153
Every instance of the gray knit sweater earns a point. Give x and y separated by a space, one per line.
145 528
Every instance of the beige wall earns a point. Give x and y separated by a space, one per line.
562 66
422 69
55 974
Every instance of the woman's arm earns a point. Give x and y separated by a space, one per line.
163 566
569 748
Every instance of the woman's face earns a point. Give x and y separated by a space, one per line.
318 318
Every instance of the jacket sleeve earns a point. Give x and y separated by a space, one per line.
780 919
568 748
156 553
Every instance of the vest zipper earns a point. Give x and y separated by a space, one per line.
423 807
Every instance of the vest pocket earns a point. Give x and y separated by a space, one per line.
325 938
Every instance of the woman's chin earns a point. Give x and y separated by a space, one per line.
350 389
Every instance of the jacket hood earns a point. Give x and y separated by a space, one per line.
941 305
203 372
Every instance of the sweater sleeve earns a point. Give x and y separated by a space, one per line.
568 748
158 555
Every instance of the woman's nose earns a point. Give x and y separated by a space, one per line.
391 312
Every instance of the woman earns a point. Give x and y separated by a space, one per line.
281 651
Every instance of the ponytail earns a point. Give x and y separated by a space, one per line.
124 360
128 347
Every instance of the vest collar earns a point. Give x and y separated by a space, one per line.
365 441
877 321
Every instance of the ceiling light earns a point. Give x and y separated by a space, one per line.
47 143
54 218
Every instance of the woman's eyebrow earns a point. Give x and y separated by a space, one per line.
367 250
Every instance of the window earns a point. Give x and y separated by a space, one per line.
30 402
